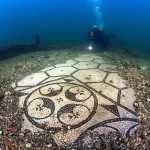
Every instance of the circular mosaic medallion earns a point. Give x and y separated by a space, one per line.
60 105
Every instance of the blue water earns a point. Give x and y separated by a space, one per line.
68 21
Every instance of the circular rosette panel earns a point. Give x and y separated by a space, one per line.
60 105
78 94
73 114
51 90
40 108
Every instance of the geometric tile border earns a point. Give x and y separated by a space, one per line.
72 98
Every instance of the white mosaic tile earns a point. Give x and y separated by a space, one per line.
71 101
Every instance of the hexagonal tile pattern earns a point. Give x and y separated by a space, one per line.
86 65
84 58
106 90
128 98
33 79
107 67
68 63
90 75
48 68
94 56
61 71
72 98
115 80
100 60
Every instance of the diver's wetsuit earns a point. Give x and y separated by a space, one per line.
97 37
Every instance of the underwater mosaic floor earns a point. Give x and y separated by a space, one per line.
72 98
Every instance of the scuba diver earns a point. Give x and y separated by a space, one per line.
98 38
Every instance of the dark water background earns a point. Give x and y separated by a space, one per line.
68 21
